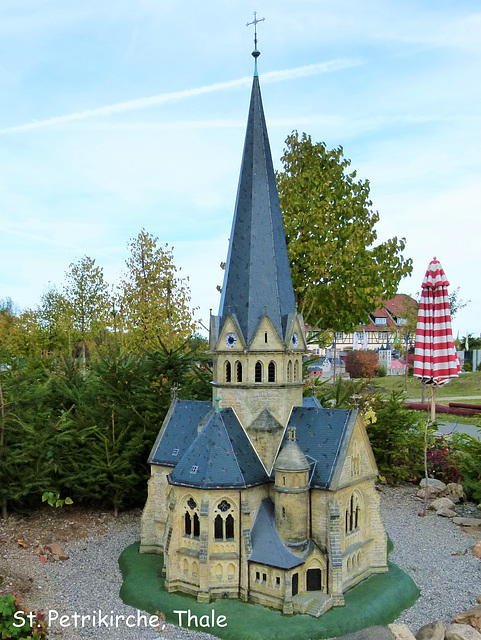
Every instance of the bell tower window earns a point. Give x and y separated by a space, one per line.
271 371
296 370
238 370
289 371
228 371
258 372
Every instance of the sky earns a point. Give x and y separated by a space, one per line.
119 116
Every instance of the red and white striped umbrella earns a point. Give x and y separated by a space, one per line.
435 357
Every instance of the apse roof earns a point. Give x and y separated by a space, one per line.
267 546
221 456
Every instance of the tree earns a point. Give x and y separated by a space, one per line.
86 292
339 273
55 318
362 364
153 300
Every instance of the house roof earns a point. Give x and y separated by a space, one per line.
320 434
257 279
267 546
291 458
179 430
221 456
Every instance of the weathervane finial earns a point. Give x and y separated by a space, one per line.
255 53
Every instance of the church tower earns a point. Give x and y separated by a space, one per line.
257 341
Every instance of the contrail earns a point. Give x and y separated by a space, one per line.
145 103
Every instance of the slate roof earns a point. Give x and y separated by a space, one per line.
311 401
320 434
221 456
179 430
257 279
267 546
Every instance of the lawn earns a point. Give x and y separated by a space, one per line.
468 384
378 600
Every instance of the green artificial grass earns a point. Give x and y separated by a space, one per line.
468 384
378 600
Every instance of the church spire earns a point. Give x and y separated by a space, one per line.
257 279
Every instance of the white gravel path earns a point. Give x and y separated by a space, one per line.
90 580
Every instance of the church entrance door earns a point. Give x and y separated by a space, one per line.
295 584
314 582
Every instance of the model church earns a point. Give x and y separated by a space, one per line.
262 494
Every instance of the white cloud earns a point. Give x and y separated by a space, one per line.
145 103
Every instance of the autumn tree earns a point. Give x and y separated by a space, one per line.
362 364
339 272
154 300
87 294
55 318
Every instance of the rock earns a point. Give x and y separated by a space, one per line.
446 513
462 632
468 522
401 631
477 553
431 631
432 482
454 491
442 503
432 492
471 616
55 549
478 599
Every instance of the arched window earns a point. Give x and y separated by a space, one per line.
289 371
283 512
219 571
195 568
186 566
191 519
238 371
228 373
230 571
224 522
187 524
219 527
296 370
229 527
271 371
196 526
353 514
258 372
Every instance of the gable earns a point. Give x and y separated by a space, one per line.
356 460
296 330
266 337
230 328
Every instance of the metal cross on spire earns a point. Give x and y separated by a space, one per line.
255 53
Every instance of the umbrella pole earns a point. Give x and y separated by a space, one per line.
433 404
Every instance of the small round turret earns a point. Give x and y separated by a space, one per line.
292 492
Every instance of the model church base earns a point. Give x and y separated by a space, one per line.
378 600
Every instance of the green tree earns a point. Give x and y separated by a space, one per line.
55 318
339 273
87 294
154 300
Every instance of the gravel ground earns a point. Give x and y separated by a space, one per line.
430 549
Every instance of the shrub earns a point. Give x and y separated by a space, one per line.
478 368
468 366
362 364
381 372
397 439
443 460
11 624
469 449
